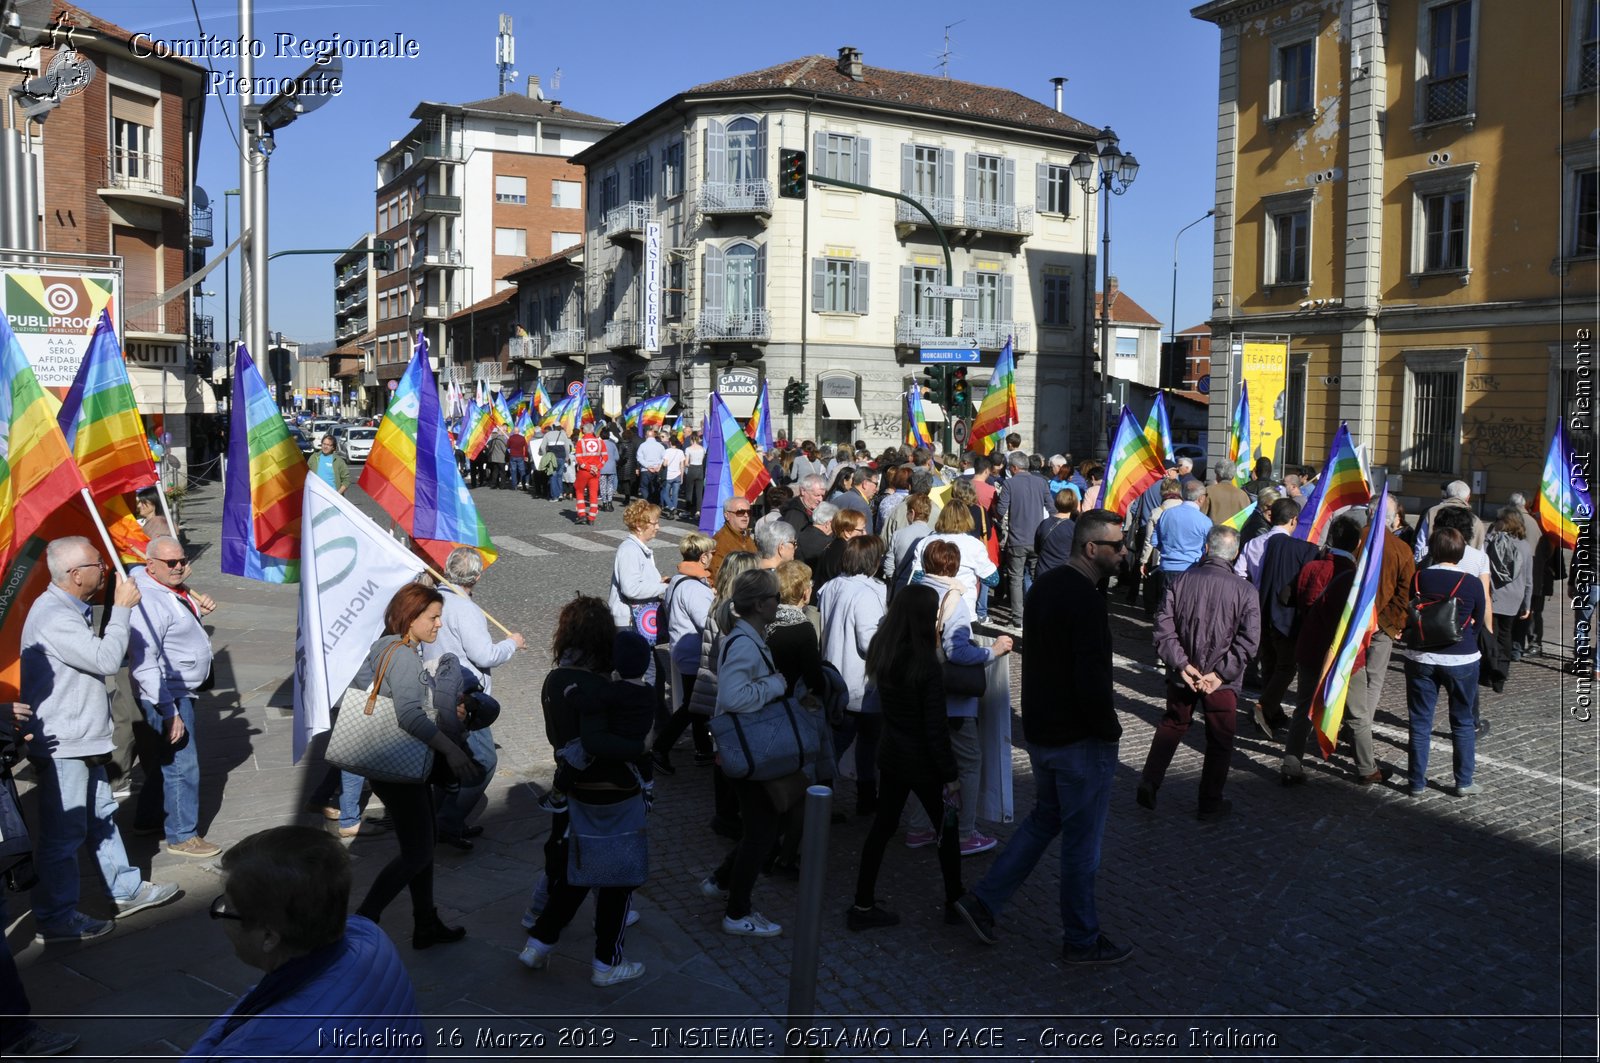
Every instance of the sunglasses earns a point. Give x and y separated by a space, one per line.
219 909
1116 544
177 562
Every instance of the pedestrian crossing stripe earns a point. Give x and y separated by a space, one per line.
617 533
577 542
517 546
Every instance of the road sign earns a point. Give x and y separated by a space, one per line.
960 430
948 341
575 388
949 355
950 291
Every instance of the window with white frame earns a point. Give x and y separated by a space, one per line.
839 285
744 145
986 189
1441 229
1055 184
1447 52
562 241
675 286
1288 241
989 308
641 180
1293 78
511 242
1127 346
836 156
1431 416
672 169
1057 299
743 294
925 185
510 189
567 195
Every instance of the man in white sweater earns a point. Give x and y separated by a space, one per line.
64 670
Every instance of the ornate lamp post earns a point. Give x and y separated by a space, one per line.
1108 171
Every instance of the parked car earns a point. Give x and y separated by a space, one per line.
356 443
321 428
301 440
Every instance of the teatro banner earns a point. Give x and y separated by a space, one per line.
1264 366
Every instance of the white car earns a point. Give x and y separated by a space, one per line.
356 443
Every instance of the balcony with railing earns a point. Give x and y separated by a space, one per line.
567 342
433 203
523 348
349 302
622 334
204 336
991 335
727 326
626 222
441 148
435 311
200 227
350 326
910 330
1589 66
153 320
942 208
736 197
980 215
350 274
445 258
1447 98
144 176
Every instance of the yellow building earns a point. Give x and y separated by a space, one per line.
1406 194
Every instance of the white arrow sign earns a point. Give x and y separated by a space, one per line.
950 291
947 341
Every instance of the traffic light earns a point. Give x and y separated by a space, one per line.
791 173
382 255
960 394
795 396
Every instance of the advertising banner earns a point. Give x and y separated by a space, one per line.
1264 366
53 312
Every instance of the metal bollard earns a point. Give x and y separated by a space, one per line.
808 913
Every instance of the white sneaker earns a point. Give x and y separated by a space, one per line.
617 972
529 917
709 888
754 925
535 956
149 895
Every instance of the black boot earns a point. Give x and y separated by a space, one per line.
430 930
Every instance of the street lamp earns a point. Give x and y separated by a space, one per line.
1172 329
1108 171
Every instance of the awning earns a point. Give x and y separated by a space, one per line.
840 409
741 406
932 411
183 395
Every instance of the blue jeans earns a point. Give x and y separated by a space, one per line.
14 1004
1072 794
983 600
177 769
555 483
75 805
344 789
669 493
519 471
1423 683
451 808
650 486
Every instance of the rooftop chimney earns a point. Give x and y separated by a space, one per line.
536 93
1059 83
850 63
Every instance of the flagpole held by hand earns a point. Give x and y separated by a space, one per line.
105 536
443 581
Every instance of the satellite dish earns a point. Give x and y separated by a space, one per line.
201 200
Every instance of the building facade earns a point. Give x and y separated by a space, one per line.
1406 194
353 361
698 276
1135 341
470 193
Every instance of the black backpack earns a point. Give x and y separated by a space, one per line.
902 570
1433 621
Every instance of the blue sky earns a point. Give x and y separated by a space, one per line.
1142 66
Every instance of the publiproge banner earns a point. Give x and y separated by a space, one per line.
1264 366
53 312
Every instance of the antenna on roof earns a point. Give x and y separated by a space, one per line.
505 53
555 80
945 56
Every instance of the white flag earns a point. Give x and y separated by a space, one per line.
349 569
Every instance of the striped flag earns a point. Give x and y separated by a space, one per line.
412 472
501 410
630 416
1239 519
540 399
918 434
998 411
1132 465
1342 482
1356 625
733 467
476 426
1158 428
1239 436
1564 497
653 414
266 477
759 430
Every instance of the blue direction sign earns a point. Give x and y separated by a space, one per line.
949 355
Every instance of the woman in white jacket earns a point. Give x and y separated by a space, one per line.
852 606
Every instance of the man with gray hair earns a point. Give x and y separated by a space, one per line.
774 545
808 495
1224 498
64 670
1456 495
815 537
1178 538
1186 474
1023 504
464 632
1206 630
169 660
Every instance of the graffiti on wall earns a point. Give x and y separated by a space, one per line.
1506 441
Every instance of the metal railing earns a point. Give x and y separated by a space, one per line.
565 341
200 226
440 148
435 311
997 217
942 208
720 325
621 334
1589 65
628 218
433 203
141 171
910 329
1447 98
523 348
446 257
991 335
150 320
736 197
354 326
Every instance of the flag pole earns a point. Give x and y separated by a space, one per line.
105 536
440 576
161 496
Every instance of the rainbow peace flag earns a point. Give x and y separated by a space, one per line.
1238 520
101 423
1239 436
476 426
1133 466
1158 429
524 421
501 410
1342 482
733 466
653 414
1356 625
630 416
998 411
1564 497
518 402
572 408
541 399
760 427
37 473
918 434
266 478
412 473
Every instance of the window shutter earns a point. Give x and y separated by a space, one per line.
1006 287
862 170
1041 187
908 162
1008 183
819 284
861 282
972 177
716 151
947 173
818 163
969 307
758 298
761 150
716 284
908 291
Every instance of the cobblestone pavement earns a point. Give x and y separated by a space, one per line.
1327 920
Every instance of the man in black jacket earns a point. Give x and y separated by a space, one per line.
1069 721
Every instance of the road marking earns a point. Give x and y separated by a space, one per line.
577 542
618 533
517 546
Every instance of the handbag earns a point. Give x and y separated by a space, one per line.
368 740
1433 622
775 740
703 699
960 680
606 843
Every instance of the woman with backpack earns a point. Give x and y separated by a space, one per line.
852 607
1446 601
687 605
1510 581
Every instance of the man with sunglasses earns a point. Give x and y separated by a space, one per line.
734 536
64 670
169 659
